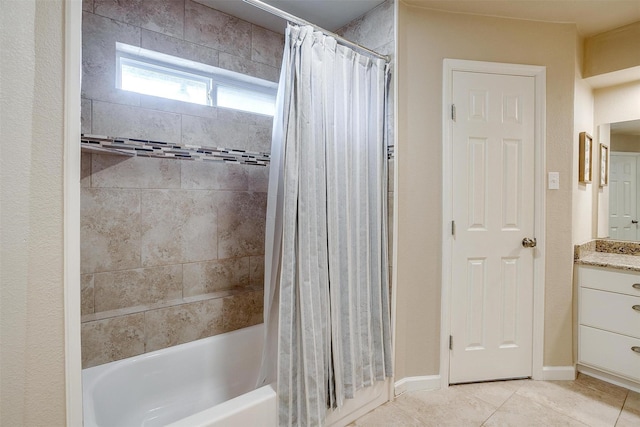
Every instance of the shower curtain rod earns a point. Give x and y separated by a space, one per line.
294 19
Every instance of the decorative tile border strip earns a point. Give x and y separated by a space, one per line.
145 148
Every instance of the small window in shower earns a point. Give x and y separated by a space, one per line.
156 74
156 80
241 98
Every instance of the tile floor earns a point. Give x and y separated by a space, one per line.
583 402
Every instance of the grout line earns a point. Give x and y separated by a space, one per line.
498 408
622 408
549 408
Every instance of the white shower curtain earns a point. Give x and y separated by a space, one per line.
326 269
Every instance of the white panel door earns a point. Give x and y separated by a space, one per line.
622 197
493 207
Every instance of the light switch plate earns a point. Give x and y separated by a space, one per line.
554 180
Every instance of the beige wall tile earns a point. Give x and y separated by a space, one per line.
85 115
259 138
212 276
109 229
241 223
256 274
215 176
267 47
112 339
173 106
387 49
176 47
258 178
374 29
85 170
242 310
86 294
214 132
99 37
152 212
87 5
178 226
246 66
170 326
217 30
135 122
163 16
142 286
134 172
230 115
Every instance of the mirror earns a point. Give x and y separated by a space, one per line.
624 181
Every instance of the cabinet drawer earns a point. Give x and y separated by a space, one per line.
610 311
621 282
609 351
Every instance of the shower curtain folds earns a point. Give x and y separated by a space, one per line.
326 269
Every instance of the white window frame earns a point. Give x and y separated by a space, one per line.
214 77
171 70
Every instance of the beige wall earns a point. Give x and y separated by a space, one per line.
617 103
31 129
612 50
625 143
425 39
585 196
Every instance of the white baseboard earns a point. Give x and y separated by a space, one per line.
558 373
613 379
429 382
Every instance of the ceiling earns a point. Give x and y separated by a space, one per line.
328 14
590 16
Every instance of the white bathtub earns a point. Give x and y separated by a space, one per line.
209 382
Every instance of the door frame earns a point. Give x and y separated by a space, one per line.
539 75
71 189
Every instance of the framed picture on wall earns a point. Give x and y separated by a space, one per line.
584 163
604 165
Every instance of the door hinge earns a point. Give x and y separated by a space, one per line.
450 342
453 228
453 112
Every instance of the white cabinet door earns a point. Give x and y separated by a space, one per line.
610 311
614 353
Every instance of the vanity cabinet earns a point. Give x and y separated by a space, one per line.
609 321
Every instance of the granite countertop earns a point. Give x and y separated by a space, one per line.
609 253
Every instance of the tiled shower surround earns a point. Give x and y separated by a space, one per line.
171 250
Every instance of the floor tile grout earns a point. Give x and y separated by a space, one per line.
585 402
621 409
498 408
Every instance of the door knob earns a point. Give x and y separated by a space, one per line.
529 243
634 221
